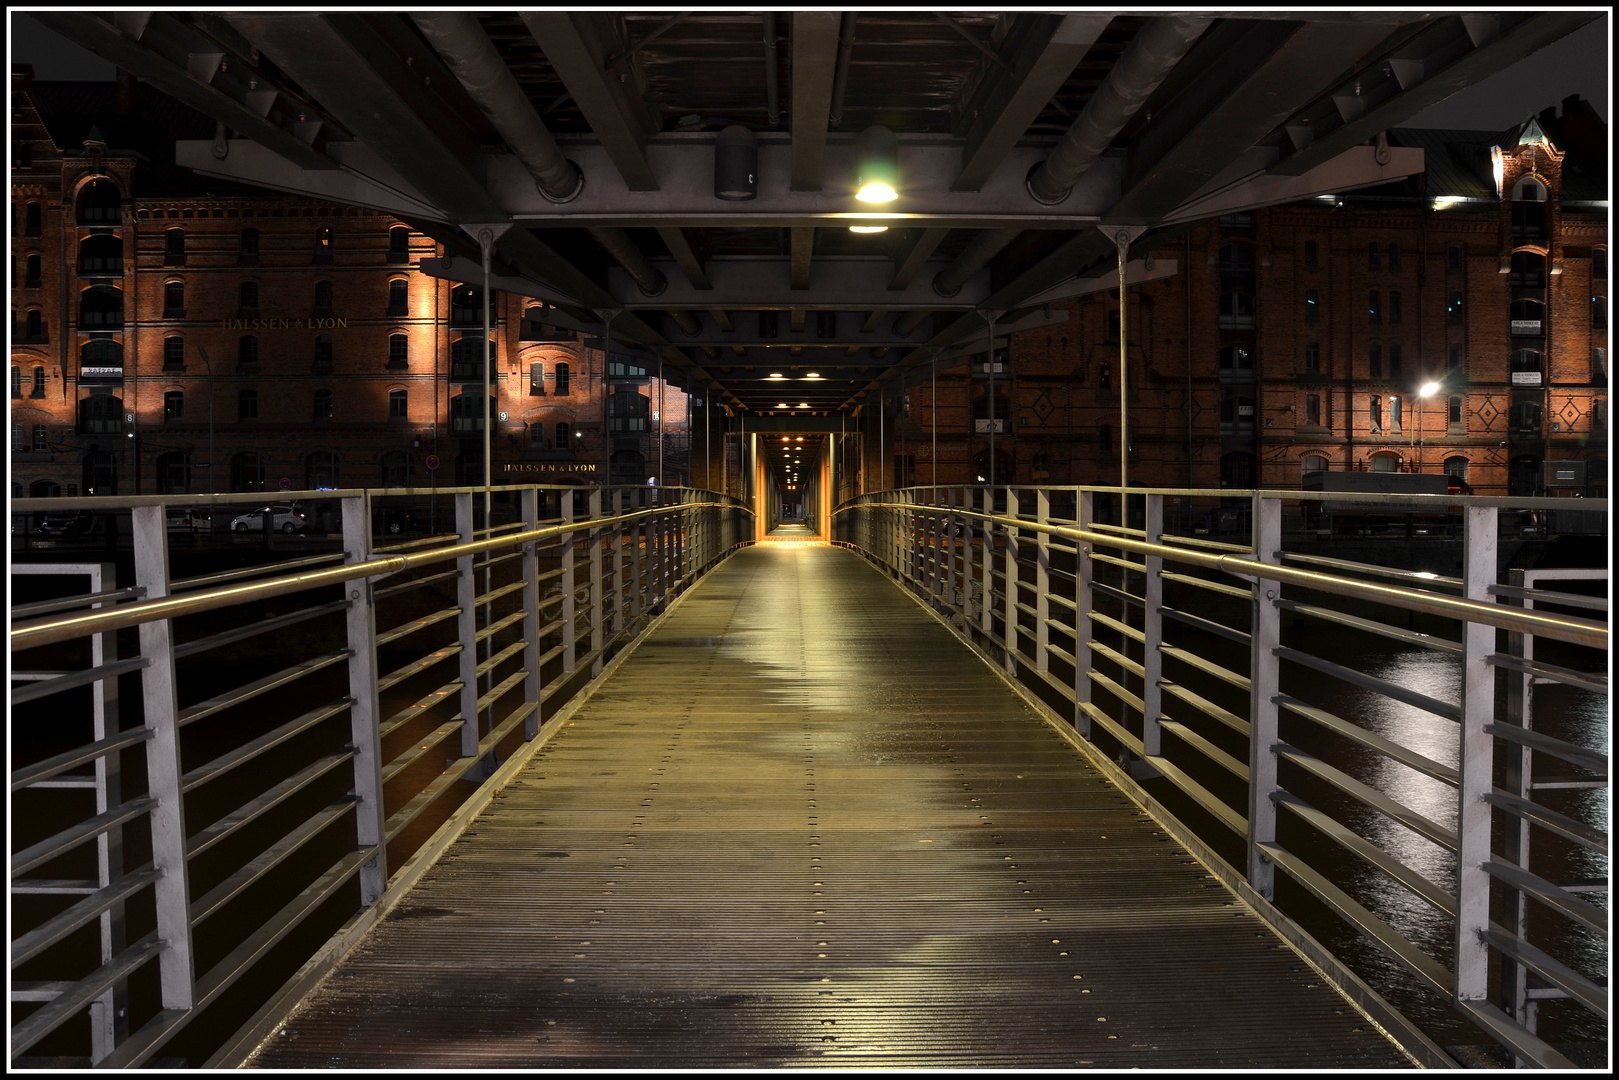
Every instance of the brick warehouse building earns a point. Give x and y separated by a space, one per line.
1299 336
141 290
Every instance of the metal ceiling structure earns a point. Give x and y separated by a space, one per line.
1026 142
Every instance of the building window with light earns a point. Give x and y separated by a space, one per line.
562 380
323 244
1453 309
323 404
1312 307
398 350
398 405
1396 404
536 379
174 406
1374 308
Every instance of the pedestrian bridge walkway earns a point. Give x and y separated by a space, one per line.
803 825
967 777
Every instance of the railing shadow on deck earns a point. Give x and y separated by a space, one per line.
1336 826
305 723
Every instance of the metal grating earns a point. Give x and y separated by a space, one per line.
804 826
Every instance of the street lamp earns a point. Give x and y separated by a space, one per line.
1429 389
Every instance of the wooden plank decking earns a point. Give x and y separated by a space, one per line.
804 826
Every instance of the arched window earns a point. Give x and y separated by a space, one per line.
31 272
32 228
536 379
16 381
100 203
628 466
1528 270
246 472
398 297
248 297
174 405
1386 461
1313 463
562 380
398 470
173 473
174 299
1237 359
564 434
320 470
464 366
247 405
464 306
1526 317
101 254
323 244
174 247
1525 361
1456 468
398 405
1529 209
323 404
323 350
1374 308
1236 310
247 350
628 411
398 350
36 324
101 306
250 242
1236 260
174 353
323 296
101 414
536 436
101 356
38 390
398 244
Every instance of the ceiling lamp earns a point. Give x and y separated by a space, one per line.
777 375
736 164
878 155
812 375
869 228
803 404
781 404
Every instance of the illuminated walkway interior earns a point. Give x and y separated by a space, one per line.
803 825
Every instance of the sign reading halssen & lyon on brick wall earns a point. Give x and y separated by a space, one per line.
538 467
286 324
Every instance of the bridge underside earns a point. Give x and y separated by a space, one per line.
803 825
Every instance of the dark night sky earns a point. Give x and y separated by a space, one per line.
1578 64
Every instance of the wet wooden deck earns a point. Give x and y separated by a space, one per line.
803 826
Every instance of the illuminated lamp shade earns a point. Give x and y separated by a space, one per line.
736 164
878 155
868 228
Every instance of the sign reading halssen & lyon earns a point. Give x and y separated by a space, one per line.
286 324
549 467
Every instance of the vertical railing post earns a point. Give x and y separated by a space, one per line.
1476 761
466 596
1152 660
365 710
640 533
1515 836
1085 509
570 644
1263 718
158 695
986 611
109 1013
952 595
529 506
598 594
1042 583
618 565
1010 585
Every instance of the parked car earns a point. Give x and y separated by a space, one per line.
283 518
190 519
69 524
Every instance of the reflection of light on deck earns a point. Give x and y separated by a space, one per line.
792 542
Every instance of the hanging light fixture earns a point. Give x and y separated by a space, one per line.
868 228
878 154
736 164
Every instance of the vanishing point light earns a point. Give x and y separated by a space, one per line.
878 154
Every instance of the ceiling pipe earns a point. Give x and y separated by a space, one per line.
1148 60
840 79
461 41
979 250
772 78
618 244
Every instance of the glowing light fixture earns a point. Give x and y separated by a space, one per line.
878 154
777 375
781 404
803 404
812 375
1428 389
870 228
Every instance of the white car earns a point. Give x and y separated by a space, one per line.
283 518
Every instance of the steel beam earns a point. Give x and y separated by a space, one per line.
842 284
742 328
815 56
1044 49
803 240
915 256
1431 67
682 246
576 44
160 56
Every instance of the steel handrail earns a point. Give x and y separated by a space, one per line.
49 633
1562 628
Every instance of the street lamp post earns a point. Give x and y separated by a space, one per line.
202 352
1428 390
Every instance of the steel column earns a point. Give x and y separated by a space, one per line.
529 507
365 712
570 645
466 595
1010 585
1476 761
598 594
1083 600
1263 714
1042 583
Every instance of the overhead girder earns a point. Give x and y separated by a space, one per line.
831 328
814 69
840 284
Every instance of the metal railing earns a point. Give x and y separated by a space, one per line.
294 734
1242 691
